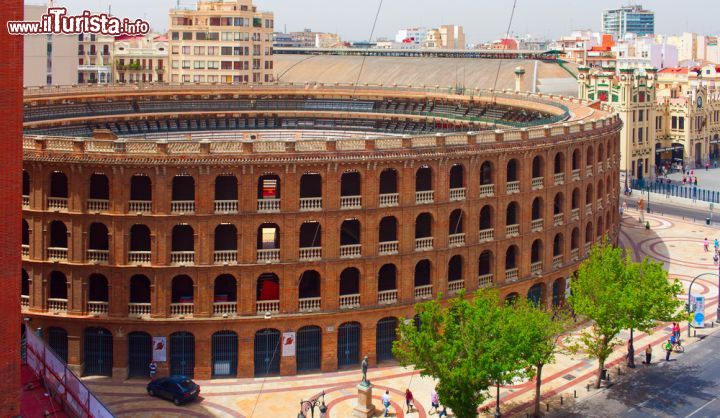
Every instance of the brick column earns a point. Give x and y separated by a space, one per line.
329 361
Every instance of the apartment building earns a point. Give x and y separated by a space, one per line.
48 60
445 37
95 59
221 42
141 59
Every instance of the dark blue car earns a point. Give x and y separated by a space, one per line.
179 389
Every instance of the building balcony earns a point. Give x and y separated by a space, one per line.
350 202
389 200
455 286
574 214
57 254
224 309
139 257
575 254
388 247
487 190
309 304
512 187
310 204
589 171
558 219
98 205
57 306
387 297
350 301
511 275
98 256
267 306
26 202
226 206
225 257
457 194
537 183
182 310
559 179
139 310
271 255
456 240
350 251
536 225
140 206
600 167
24 302
182 258
310 254
512 231
485 280
576 175
424 244
424 197
57 203
268 205
600 204
97 308
588 209
180 207
536 268
423 292
25 250
558 261
487 235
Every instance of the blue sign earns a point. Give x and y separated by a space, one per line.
698 303
699 318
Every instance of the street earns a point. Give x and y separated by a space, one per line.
687 386
661 207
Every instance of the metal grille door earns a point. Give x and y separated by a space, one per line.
182 354
267 352
57 340
348 352
384 337
309 345
98 352
139 354
557 293
224 354
534 294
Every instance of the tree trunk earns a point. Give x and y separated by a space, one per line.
538 384
631 352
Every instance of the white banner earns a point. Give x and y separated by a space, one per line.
159 349
288 345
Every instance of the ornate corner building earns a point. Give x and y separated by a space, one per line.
221 217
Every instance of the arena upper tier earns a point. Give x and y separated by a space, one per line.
221 217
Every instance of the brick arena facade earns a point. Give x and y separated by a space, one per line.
222 217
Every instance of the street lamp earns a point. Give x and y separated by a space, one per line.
648 194
311 404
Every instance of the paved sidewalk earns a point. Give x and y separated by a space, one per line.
675 242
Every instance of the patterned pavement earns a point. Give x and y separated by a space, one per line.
678 243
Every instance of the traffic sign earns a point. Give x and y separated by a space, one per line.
699 305
699 319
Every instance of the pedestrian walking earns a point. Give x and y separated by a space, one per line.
668 350
695 181
153 370
706 244
641 208
717 244
434 401
676 330
408 400
648 354
386 402
443 413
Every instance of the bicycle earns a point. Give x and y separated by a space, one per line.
678 347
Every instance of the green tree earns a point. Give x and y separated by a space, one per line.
537 332
465 346
596 292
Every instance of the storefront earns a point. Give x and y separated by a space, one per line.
671 158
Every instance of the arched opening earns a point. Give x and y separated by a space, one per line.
455 273
350 190
558 245
183 244
576 198
140 289
58 287
25 284
422 276
226 193
139 244
309 288
423 179
268 287
600 231
224 354
25 233
512 217
511 258
457 177
98 352
558 292
388 182
535 294
58 185
226 243
575 239
537 209
140 188
559 163
589 233
348 344
58 342
183 188
387 278
600 190
309 348
225 294
536 256
576 160
99 188
310 187
58 235
182 289
558 204
423 226
589 194
98 243
139 354
268 237
385 335
350 282
485 266
486 223
455 226
267 352
513 173
268 187
97 294
310 241
486 173
182 354
600 154
387 231
511 298
538 167
589 157
350 232
26 184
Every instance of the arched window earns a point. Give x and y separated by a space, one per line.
226 192
486 173
58 235
25 284
309 288
423 273
225 294
98 243
58 288
224 354
575 239
513 173
538 207
589 233
183 245
310 187
511 257
576 198
388 182
140 188
139 289
558 245
576 160
58 185
310 241
387 278
456 222
350 190
457 177
535 294
26 184
182 289
538 167
183 188
589 157
349 286
350 232
423 226
536 252
25 233
512 214
486 222
424 179
559 163
225 243
455 271
99 188
268 287
387 231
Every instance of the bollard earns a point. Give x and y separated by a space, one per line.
588 387
547 405
695 333
561 400
575 393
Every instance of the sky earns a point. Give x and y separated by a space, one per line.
483 20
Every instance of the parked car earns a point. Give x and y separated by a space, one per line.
179 389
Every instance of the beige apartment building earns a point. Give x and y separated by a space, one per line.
95 57
445 37
221 42
141 59
48 60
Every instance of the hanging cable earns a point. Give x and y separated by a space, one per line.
372 32
267 371
507 34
